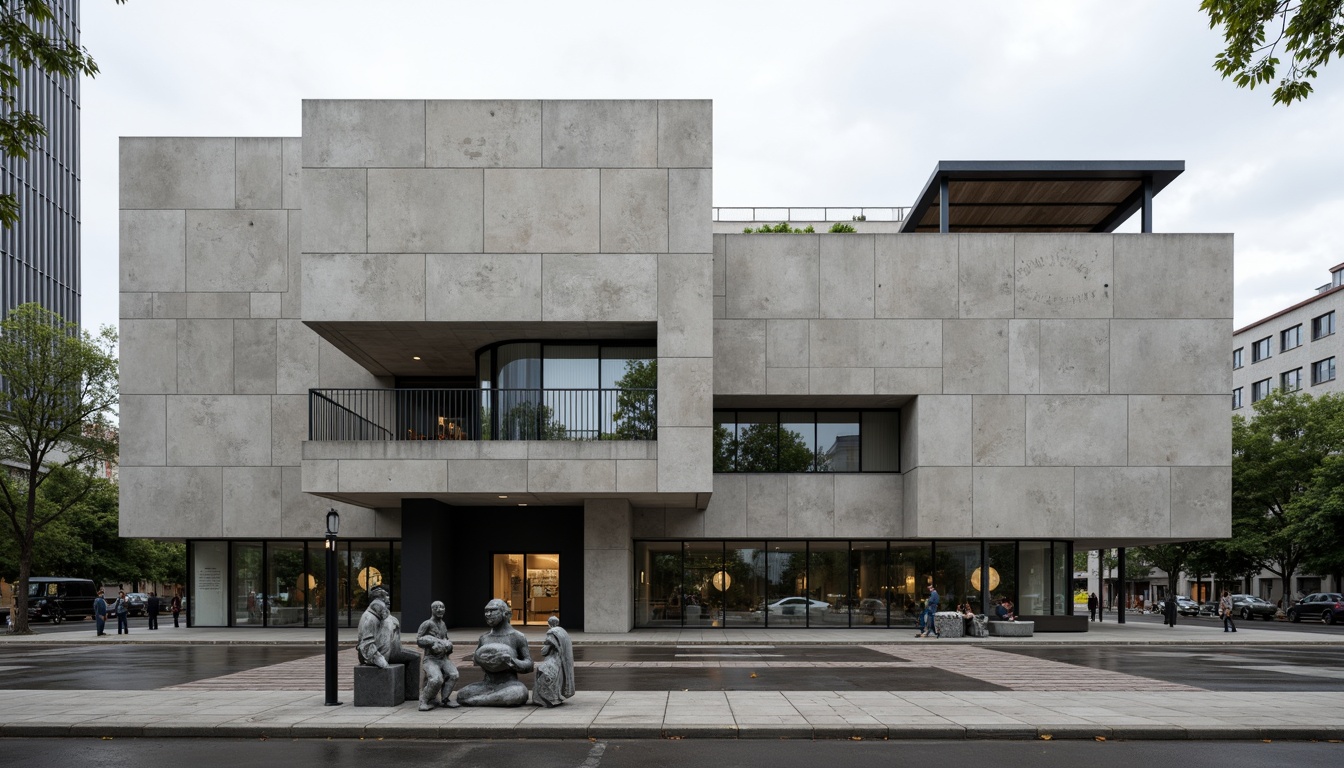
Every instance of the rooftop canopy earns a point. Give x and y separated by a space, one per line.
1039 196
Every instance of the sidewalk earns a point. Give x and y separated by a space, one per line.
1147 709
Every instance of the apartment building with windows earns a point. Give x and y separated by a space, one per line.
508 342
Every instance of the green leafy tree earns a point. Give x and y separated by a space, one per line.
636 413
60 387
1317 517
1309 31
532 421
761 448
30 40
1171 558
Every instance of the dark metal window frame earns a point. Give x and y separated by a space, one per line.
1257 392
1237 400
1323 325
1293 384
1237 360
1290 338
815 411
1316 370
1262 349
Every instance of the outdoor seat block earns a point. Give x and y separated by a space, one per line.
1011 628
380 686
412 678
949 624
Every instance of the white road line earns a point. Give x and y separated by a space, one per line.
594 755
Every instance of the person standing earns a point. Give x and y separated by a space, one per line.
100 614
175 605
122 609
1225 610
1092 606
152 610
1169 611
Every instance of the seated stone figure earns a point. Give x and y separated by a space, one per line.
501 653
555 673
440 672
379 641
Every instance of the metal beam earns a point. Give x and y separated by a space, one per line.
943 207
1147 204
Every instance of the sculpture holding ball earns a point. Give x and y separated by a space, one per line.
501 654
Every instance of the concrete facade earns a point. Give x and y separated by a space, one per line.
1050 386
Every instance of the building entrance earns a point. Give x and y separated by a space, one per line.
529 583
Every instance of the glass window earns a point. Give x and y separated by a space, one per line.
838 441
1323 325
249 602
1291 381
1034 566
317 596
725 441
1002 573
742 583
370 566
757 441
872 584
1259 390
1260 350
957 575
828 584
703 601
658 598
806 441
911 571
1290 338
1061 596
786 584
1236 357
287 583
1236 398
1323 371
881 441
797 441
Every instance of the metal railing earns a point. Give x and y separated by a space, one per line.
805 213
482 414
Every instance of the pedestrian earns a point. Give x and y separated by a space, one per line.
930 610
1092 606
100 614
152 610
176 607
1169 611
1225 610
122 609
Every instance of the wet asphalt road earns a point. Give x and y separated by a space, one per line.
580 753
130 667
1215 667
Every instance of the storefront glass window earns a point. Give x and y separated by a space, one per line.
1003 570
957 575
828 584
658 599
1034 573
703 601
786 584
249 602
287 583
870 578
743 583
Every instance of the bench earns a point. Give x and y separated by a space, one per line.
1011 628
387 686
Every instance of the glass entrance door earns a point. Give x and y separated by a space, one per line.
530 584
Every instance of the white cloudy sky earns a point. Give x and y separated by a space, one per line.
838 103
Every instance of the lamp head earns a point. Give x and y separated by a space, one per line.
333 521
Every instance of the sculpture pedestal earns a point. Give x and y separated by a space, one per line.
1011 628
412 678
381 686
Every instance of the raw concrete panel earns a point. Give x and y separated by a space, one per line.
252 501
999 431
147 351
916 275
840 381
1118 502
296 357
205 357
387 287
685 322
193 494
426 210
773 276
637 476
336 207
685 460
483 134
938 502
847 276
607 586
634 210
1179 430
153 250
1077 430
1201 502
237 250
320 476
1063 275
944 430
877 343
648 523
767 506
258 174
685 392
720 265
1144 354
599 134
571 476
291 301
1173 276
1075 357
787 381
542 210
291 170
304 516
811 505
786 344
908 381
1024 357
215 306
606 524
726 515
985 275
1023 502
409 476
599 287
690 204
289 428
470 287
336 369
373 133
686 133
491 476
135 306
176 173
219 430
266 305
254 357
975 356
684 523
869 505
170 305
143 425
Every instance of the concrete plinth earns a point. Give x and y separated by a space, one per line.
1011 628
380 686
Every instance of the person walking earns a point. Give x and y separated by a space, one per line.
1169 611
930 610
100 614
152 610
175 605
1225 610
122 609
1092 606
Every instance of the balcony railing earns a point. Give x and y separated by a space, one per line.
482 414
815 213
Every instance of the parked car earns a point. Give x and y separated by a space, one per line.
1250 607
797 606
1318 606
57 598
1186 607
137 603
1208 611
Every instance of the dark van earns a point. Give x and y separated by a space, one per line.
57 598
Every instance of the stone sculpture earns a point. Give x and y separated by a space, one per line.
501 653
440 672
555 673
379 641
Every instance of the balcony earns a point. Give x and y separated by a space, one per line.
482 414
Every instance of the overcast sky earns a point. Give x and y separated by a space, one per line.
839 103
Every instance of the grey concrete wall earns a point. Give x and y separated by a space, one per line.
608 566
1070 386
216 363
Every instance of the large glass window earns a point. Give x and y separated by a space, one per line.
1260 389
828 584
1323 325
838 441
1002 573
370 566
287 583
1322 371
871 581
757 442
957 575
1236 357
786 584
806 441
658 600
1290 338
911 570
702 576
743 583
249 602
1260 350
1034 566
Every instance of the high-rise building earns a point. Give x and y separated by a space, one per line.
41 252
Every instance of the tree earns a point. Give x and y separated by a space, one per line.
1311 31
60 385
1167 557
636 413
24 45
761 447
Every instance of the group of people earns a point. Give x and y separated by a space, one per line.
1004 610
121 609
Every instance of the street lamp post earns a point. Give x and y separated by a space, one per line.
333 525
